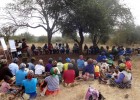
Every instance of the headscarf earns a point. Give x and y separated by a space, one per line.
68 59
3 62
53 72
122 66
30 74
15 60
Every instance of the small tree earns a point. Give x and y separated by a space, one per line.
8 31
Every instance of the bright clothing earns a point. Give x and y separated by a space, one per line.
20 76
96 68
52 83
30 85
65 66
80 63
14 68
97 71
128 65
60 66
5 87
69 76
39 69
48 67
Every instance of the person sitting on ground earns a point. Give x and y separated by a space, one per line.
4 70
124 79
75 68
21 74
50 85
96 69
60 65
45 48
29 85
5 86
67 48
88 71
31 64
49 65
80 63
65 67
69 75
39 68
128 63
14 66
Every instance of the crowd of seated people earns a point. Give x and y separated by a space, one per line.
29 72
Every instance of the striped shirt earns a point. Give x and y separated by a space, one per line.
52 83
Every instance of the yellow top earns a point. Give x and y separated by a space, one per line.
97 68
65 66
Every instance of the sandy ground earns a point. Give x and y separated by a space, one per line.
110 93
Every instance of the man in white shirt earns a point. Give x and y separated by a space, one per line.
39 68
14 66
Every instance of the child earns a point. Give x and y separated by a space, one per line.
5 87
96 69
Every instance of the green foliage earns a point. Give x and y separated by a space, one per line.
128 34
28 37
42 39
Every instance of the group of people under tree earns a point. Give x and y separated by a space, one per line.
49 76
50 49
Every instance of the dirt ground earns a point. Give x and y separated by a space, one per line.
110 93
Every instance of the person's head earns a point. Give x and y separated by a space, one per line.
122 67
127 58
23 39
59 59
70 66
120 61
30 75
90 61
50 60
68 60
40 62
15 60
7 79
95 62
3 63
33 60
53 72
116 71
81 57
73 61
22 66
54 63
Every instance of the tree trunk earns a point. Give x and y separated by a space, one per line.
49 37
81 40
94 40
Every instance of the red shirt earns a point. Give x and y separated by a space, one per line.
128 65
69 76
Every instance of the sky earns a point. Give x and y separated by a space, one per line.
134 6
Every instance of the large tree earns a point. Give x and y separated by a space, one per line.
96 17
33 14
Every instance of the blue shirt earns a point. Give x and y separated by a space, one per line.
89 69
14 68
31 66
20 76
30 85
80 63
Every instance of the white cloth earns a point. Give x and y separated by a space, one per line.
14 68
60 66
39 69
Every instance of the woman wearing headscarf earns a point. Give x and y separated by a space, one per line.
124 78
51 83
29 85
